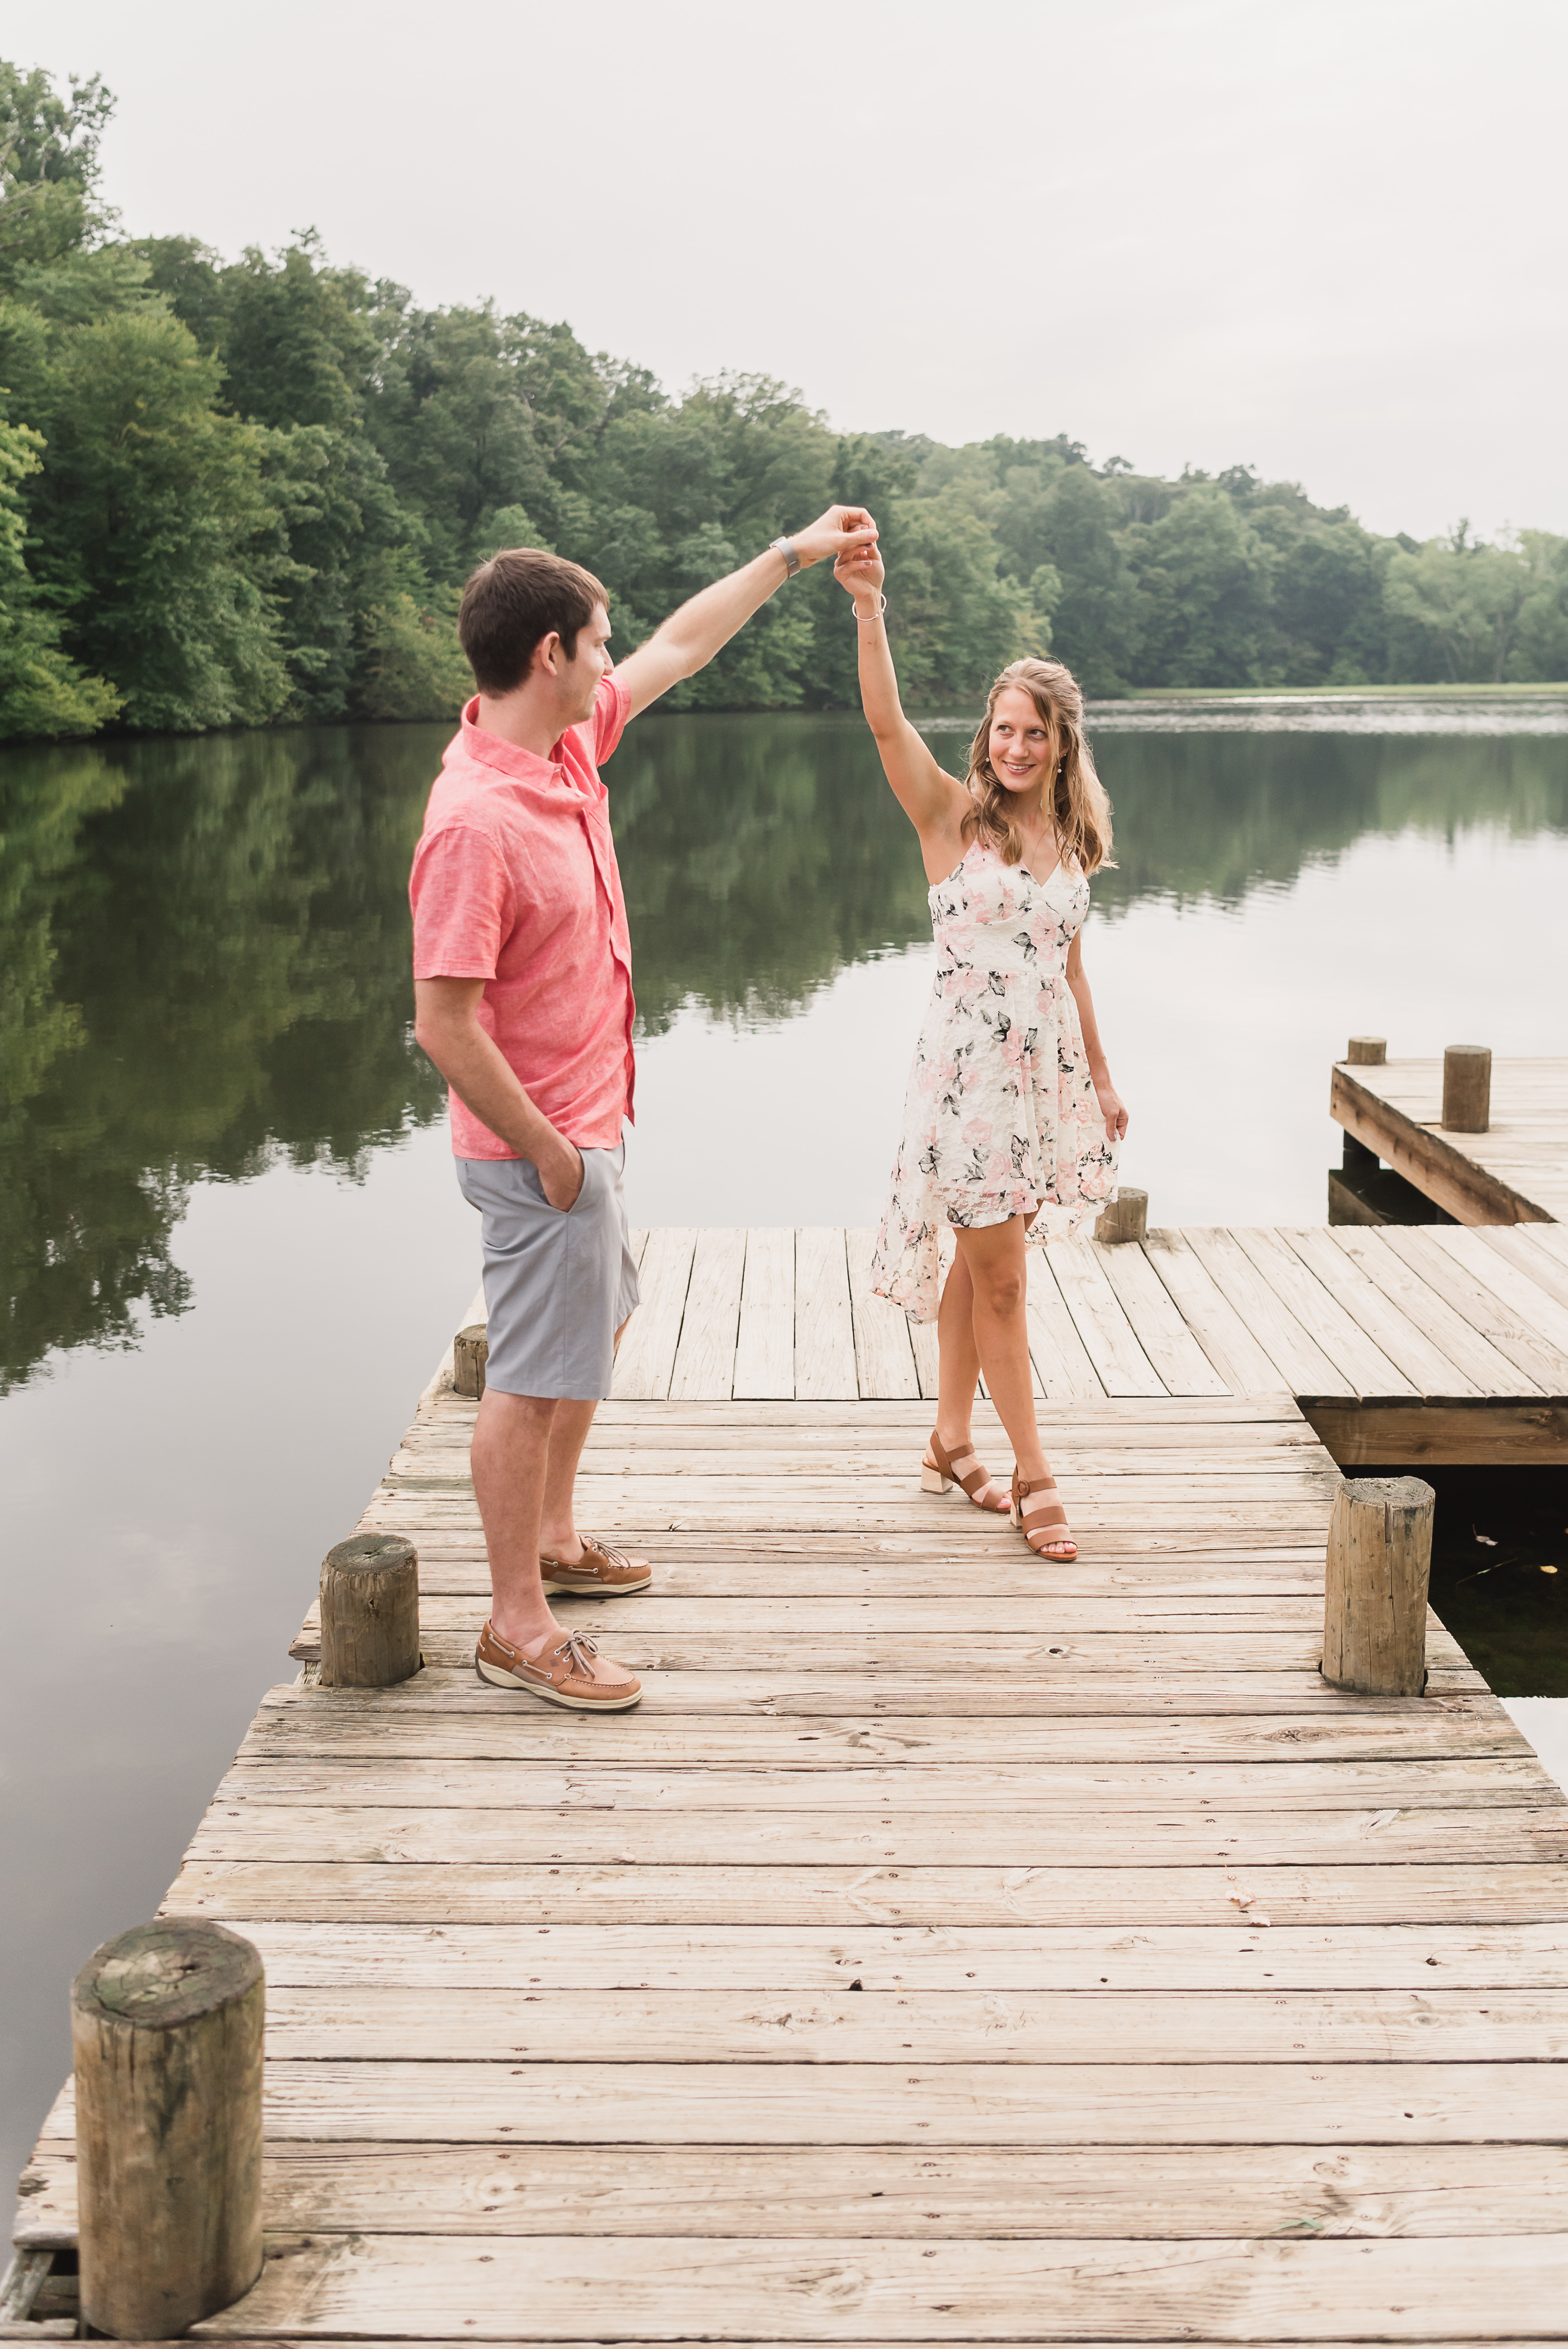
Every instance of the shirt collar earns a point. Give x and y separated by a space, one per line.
508 758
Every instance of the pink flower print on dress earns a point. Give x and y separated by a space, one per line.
978 1132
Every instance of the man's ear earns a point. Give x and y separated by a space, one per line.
548 654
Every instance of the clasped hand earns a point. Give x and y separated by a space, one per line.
859 571
841 531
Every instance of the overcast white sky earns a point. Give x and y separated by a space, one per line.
1323 237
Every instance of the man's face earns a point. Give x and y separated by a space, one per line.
580 676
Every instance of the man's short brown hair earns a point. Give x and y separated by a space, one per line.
515 601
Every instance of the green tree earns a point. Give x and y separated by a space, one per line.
1455 607
1203 580
1094 619
48 169
156 531
41 692
1541 640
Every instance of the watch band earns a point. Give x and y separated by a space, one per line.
785 547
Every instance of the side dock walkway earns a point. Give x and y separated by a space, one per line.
951 1949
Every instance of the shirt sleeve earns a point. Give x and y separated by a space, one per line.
609 716
461 898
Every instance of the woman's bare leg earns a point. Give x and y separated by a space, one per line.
960 1362
959 1371
994 1259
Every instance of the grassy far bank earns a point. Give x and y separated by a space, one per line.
241 492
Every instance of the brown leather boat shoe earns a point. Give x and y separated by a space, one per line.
599 1573
569 1672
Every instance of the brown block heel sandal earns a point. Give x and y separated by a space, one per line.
1047 1535
940 1471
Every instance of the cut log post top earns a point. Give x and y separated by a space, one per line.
1467 1088
1126 1218
470 1352
1375 1586
167 2027
1367 1051
369 1612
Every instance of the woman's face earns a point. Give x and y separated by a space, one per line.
1023 747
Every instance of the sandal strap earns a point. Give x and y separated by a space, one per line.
973 1480
1041 1499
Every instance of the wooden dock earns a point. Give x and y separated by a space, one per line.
1515 1173
952 1948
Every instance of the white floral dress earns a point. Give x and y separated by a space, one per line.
1000 1117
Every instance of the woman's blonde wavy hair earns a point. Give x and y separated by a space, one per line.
1078 805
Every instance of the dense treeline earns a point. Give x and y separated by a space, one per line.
232 493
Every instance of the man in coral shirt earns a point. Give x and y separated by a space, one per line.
522 985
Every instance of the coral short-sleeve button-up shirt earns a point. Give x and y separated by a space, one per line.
515 882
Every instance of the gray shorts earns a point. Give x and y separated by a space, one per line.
558 1283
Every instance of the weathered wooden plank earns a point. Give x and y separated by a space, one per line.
1214 1320
380 2023
1109 1341
1527 1247
1503 1436
765 1341
1135 1897
926 1348
816 1961
1056 1352
968 2193
1480 1306
1149 1694
821 1834
295 1721
824 1327
1530 1304
704 1354
1463 1344
896 2289
1312 1304
1000 2104
647 1354
657 1614
643 1642
1439 1784
1298 1359
885 1359
1157 1323
1400 1339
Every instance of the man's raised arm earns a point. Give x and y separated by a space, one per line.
689 638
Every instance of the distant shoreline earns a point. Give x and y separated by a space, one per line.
1319 694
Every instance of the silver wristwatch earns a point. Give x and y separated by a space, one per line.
785 547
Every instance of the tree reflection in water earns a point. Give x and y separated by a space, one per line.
204 963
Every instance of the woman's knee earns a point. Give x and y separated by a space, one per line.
1001 1288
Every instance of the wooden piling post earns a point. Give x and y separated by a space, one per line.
166 2033
1375 1586
1367 1051
369 1612
1467 1088
470 1352
1126 1218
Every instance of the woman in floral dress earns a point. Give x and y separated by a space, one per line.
1011 1123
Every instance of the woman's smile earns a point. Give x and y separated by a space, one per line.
1021 746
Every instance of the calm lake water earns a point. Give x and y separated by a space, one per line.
232 1247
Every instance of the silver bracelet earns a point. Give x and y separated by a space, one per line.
882 607
785 547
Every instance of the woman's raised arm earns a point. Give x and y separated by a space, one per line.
932 800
